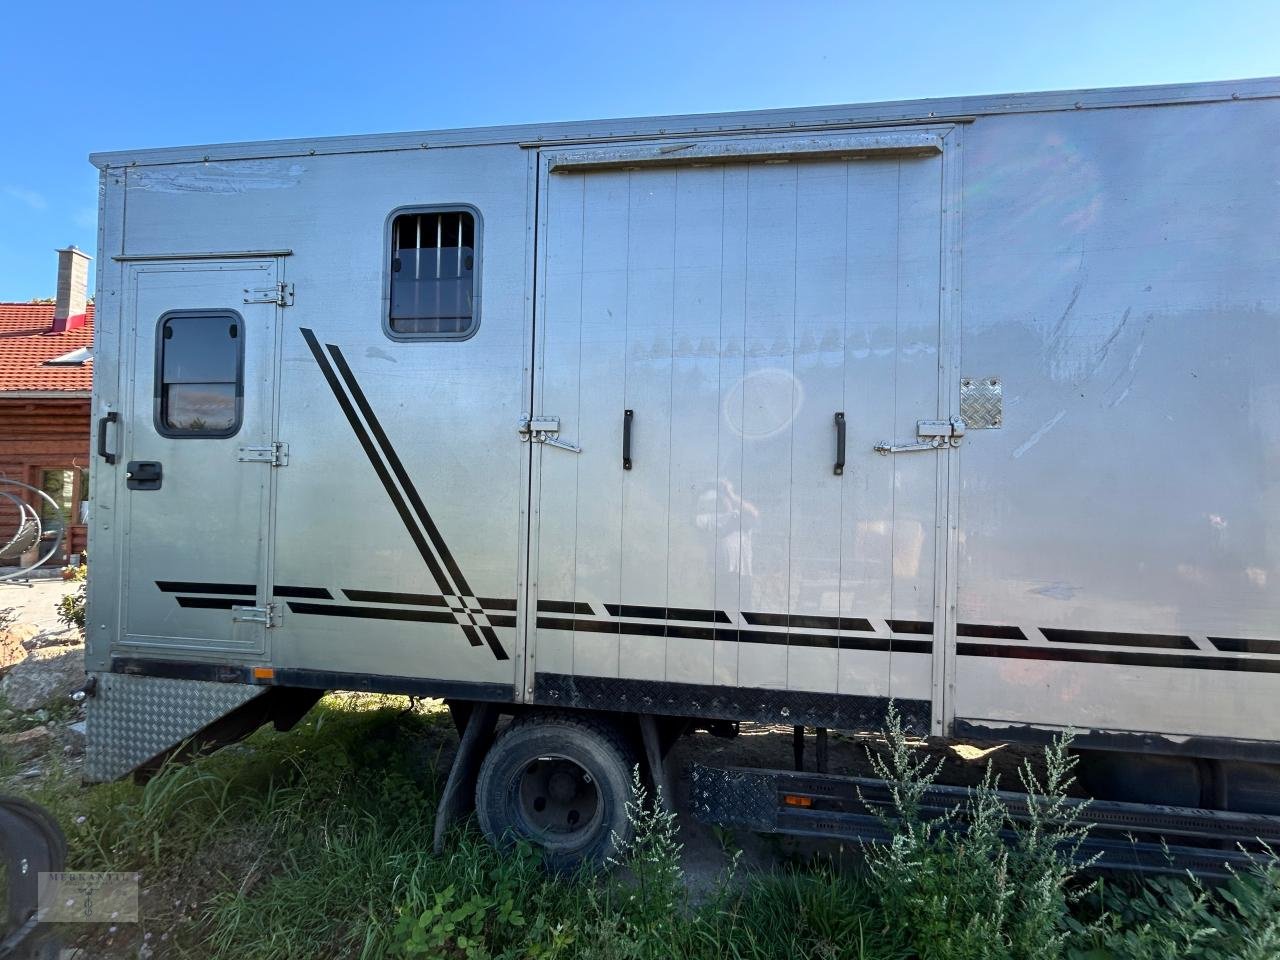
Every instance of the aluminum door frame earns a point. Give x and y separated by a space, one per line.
273 271
948 137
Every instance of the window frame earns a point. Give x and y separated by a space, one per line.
223 313
476 272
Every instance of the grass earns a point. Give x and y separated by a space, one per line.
317 843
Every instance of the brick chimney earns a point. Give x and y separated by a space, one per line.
73 289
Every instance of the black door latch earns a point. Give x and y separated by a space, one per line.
143 475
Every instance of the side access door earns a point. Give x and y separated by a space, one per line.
727 330
197 456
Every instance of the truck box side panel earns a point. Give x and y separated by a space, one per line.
1120 278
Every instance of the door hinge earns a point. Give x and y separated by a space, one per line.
276 454
268 616
279 293
933 435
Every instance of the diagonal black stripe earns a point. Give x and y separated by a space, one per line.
458 581
378 466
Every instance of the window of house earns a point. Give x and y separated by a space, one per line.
60 486
200 375
433 274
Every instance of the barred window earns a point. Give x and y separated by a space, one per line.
433 274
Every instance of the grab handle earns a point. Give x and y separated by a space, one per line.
627 417
111 417
839 467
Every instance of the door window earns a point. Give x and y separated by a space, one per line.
200 375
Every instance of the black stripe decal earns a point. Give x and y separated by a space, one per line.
564 606
1110 639
809 620
371 453
209 603
989 630
829 641
1238 645
910 626
372 613
458 581
183 586
385 596
380 468
666 613
1131 658
304 593
497 603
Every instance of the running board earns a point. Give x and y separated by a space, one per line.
1137 837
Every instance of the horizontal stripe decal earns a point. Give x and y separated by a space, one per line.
565 606
808 620
910 626
210 603
372 613
1107 638
734 635
1130 658
383 596
1238 645
989 630
666 613
184 586
304 593
491 603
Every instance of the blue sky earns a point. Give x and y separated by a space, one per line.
77 77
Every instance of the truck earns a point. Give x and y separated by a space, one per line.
603 432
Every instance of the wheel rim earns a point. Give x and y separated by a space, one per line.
558 801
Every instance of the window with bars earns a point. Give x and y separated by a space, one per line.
433 274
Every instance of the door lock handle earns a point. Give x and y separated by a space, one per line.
933 434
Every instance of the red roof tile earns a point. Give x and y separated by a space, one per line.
26 343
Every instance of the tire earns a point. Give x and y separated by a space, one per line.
562 783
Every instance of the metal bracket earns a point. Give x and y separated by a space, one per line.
544 430
279 293
276 453
933 434
269 615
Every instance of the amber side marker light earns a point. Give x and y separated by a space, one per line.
264 673
791 800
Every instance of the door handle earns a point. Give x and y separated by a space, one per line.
111 417
840 431
627 417
143 475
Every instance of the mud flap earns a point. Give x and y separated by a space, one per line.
132 720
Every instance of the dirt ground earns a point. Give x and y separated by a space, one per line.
35 601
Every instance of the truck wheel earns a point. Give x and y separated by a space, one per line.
561 782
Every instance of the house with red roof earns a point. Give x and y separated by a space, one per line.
46 375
